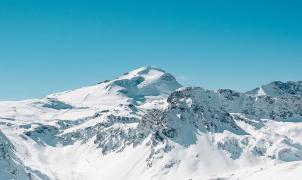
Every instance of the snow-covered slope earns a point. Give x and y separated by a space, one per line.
144 125
141 85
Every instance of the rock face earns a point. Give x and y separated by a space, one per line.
148 126
278 107
11 165
204 108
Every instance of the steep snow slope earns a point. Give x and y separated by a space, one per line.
143 125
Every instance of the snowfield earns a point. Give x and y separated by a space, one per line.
145 125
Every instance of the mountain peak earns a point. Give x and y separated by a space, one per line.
145 81
138 85
143 71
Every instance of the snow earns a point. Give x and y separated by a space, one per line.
143 125
261 92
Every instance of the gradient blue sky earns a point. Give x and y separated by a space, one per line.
50 46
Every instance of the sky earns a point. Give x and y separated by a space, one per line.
51 46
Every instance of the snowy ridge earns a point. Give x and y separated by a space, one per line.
149 127
278 88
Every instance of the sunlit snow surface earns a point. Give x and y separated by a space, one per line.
144 125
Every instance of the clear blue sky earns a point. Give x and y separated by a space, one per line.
49 46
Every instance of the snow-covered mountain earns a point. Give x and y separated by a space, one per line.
145 125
